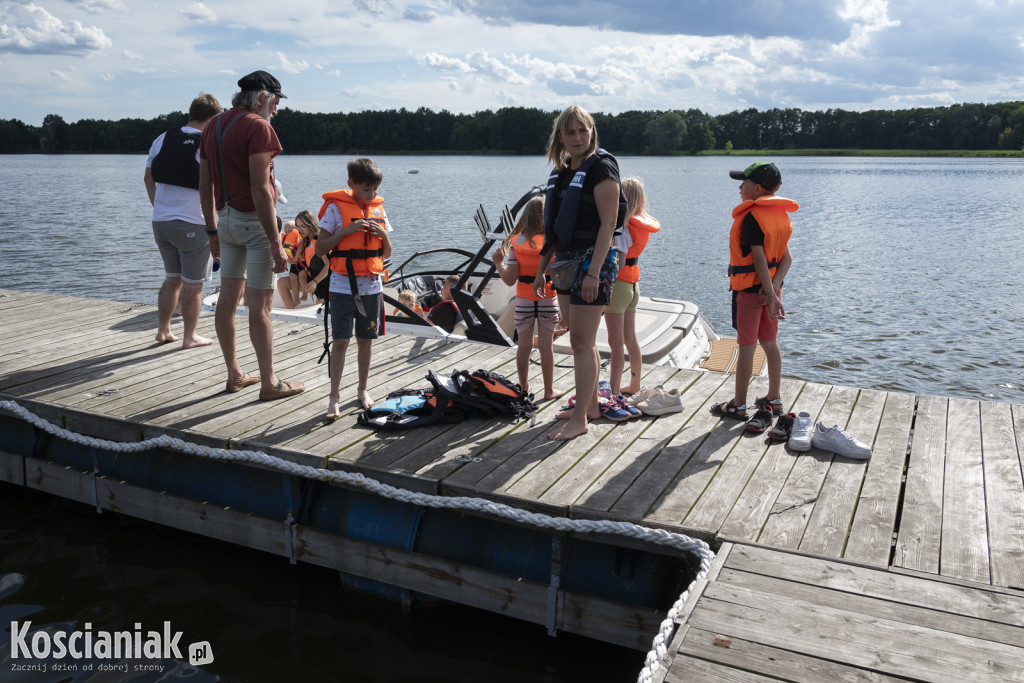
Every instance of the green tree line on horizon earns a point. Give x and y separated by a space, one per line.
521 130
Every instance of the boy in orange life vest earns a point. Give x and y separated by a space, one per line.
759 259
354 233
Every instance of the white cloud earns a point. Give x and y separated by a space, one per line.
483 54
375 7
199 13
289 65
444 64
33 30
866 17
493 68
99 6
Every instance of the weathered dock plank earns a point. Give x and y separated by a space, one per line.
641 475
1004 494
825 610
827 617
874 521
964 553
919 538
752 509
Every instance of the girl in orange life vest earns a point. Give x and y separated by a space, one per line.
288 282
313 271
523 247
620 314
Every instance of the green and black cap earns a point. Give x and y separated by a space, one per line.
764 173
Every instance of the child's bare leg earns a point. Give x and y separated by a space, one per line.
364 353
523 351
773 357
613 322
284 288
636 357
303 281
744 368
166 301
547 362
338 349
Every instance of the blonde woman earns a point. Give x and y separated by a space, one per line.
581 215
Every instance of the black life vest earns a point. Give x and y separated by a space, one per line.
175 163
563 227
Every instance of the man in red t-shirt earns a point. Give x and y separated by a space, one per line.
237 194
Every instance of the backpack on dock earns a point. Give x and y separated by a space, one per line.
450 399
497 391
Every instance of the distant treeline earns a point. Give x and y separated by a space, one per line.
519 130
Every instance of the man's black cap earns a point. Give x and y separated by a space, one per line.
261 80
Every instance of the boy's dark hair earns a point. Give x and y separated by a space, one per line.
365 171
204 108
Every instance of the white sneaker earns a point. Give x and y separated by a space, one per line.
836 440
645 393
662 403
800 437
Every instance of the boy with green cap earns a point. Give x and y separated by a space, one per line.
759 259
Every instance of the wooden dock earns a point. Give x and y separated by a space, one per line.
941 500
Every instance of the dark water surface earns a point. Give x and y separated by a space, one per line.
266 620
906 277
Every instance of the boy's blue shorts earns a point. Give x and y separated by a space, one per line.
345 316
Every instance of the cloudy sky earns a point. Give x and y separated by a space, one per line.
111 59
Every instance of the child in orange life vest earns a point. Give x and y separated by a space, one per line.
523 248
408 297
354 234
313 271
288 282
759 259
620 313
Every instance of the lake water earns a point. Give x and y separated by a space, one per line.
905 271
905 277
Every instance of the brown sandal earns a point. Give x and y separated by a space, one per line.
282 390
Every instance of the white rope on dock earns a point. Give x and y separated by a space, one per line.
658 537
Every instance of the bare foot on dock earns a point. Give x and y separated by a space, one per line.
195 342
567 415
364 399
567 432
165 337
333 408
552 395
631 389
